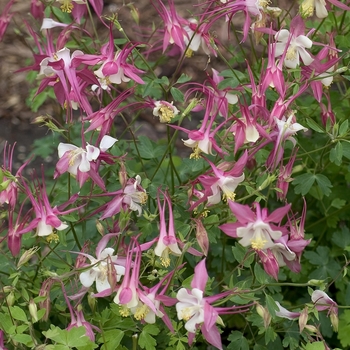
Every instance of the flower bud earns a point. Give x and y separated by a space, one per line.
33 310
202 236
26 256
100 228
334 320
91 301
264 313
10 299
311 329
123 175
304 315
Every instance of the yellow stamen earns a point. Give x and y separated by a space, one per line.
52 237
165 114
141 312
67 6
186 313
189 53
258 243
307 8
196 153
165 260
291 53
229 196
143 197
124 311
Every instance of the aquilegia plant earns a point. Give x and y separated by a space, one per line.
225 225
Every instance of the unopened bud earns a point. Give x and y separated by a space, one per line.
111 273
134 13
8 289
317 283
123 175
304 315
264 313
342 70
273 11
100 228
194 102
33 310
26 256
334 321
202 236
91 301
267 182
10 299
311 329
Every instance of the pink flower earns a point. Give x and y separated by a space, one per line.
197 311
174 31
255 229
5 18
167 242
98 271
133 196
294 43
284 313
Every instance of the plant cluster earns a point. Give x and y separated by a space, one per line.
231 231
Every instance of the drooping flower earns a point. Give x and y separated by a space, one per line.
98 271
294 43
165 111
255 229
133 196
80 162
197 311
167 242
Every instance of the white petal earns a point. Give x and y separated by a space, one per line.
92 152
65 147
84 165
102 284
87 278
231 98
303 41
43 229
107 142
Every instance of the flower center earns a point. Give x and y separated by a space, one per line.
124 311
67 6
141 312
73 155
165 114
291 53
52 237
165 260
196 152
258 243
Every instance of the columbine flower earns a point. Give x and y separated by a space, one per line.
77 161
165 111
295 43
308 7
197 311
255 230
67 5
284 313
133 196
98 273
167 241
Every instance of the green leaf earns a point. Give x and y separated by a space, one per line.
18 314
324 184
5 322
271 305
260 274
112 339
146 341
317 345
303 183
149 149
177 94
184 78
338 203
336 154
270 335
25 339
343 129
314 126
238 341
344 326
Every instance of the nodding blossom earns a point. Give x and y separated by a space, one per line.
98 271
79 161
165 111
323 302
197 311
294 43
255 229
